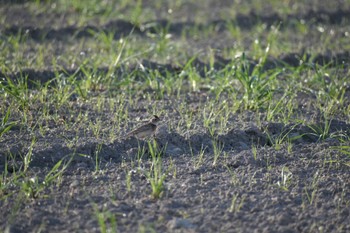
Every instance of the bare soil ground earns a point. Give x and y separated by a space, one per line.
303 186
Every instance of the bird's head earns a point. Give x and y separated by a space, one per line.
155 119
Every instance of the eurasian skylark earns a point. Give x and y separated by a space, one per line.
147 130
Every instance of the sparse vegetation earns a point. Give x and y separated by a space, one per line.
254 100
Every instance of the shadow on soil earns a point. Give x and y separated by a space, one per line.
122 28
172 144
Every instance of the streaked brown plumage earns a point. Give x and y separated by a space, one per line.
147 130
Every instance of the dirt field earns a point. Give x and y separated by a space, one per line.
254 102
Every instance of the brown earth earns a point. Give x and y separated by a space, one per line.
240 193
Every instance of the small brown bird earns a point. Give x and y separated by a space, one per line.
147 130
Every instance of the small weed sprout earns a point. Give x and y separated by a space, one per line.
285 179
97 158
5 124
128 181
256 84
106 220
200 157
313 188
218 148
197 161
284 136
140 153
28 157
322 132
255 152
156 176
236 203
32 187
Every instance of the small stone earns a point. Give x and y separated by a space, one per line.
74 184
